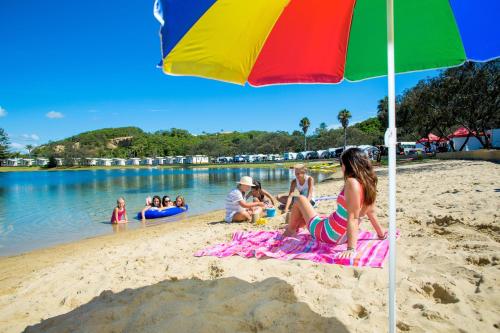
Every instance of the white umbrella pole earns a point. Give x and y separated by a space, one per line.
391 142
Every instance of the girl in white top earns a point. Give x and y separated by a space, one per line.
303 183
237 209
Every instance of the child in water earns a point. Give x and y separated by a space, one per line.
180 202
119 213
166 202
154 204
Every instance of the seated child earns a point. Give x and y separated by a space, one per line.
119 213
303 183
237 209
261 195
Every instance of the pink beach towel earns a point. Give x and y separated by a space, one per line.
370 251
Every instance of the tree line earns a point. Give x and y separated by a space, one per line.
466 96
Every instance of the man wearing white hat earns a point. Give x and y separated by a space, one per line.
237 209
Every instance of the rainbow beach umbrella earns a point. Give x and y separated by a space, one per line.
266 42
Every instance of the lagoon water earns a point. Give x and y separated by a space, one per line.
39 209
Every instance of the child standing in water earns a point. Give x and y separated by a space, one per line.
119 213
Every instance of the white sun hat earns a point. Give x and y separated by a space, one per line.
246 180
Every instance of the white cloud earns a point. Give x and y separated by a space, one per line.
339 125
54 115
16 146
335 126
3 112
30 137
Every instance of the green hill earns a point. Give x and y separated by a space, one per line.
133 142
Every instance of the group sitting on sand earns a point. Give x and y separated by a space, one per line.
238 209
356 200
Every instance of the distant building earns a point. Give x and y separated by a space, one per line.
42 161
197 159
169 160
179 159
119 161
159 160
147 161
290 156
134 161
59 161
76 161
90 161
105 161
27 162
13 162
460 137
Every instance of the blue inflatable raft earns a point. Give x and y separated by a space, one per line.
156 214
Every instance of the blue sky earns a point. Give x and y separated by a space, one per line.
73 66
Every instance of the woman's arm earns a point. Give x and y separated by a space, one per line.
290 195
267 194
352 192
373 220
143 211
310 188
126 218
245 204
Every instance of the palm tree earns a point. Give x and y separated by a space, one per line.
29 148
304 124
343 118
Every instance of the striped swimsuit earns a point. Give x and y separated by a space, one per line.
331 229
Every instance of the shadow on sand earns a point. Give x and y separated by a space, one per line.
193 305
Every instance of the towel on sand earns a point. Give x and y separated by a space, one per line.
370 251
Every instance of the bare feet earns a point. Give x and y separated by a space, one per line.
288 233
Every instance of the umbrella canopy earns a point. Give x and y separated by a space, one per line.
266 42
463 132
432 138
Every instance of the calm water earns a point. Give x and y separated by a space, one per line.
38 209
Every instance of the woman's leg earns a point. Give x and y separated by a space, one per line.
302 212
242 216
282 199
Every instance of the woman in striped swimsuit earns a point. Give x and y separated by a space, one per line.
357 199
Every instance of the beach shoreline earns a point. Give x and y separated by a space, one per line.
447 275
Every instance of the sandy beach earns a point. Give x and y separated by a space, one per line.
148 280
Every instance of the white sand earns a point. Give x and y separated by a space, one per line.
147 280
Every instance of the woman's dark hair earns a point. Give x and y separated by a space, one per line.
358 166
164 198
153 201
256 185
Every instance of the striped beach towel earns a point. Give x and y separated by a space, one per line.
370 251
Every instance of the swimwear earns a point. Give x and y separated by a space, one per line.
331 229
120 215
